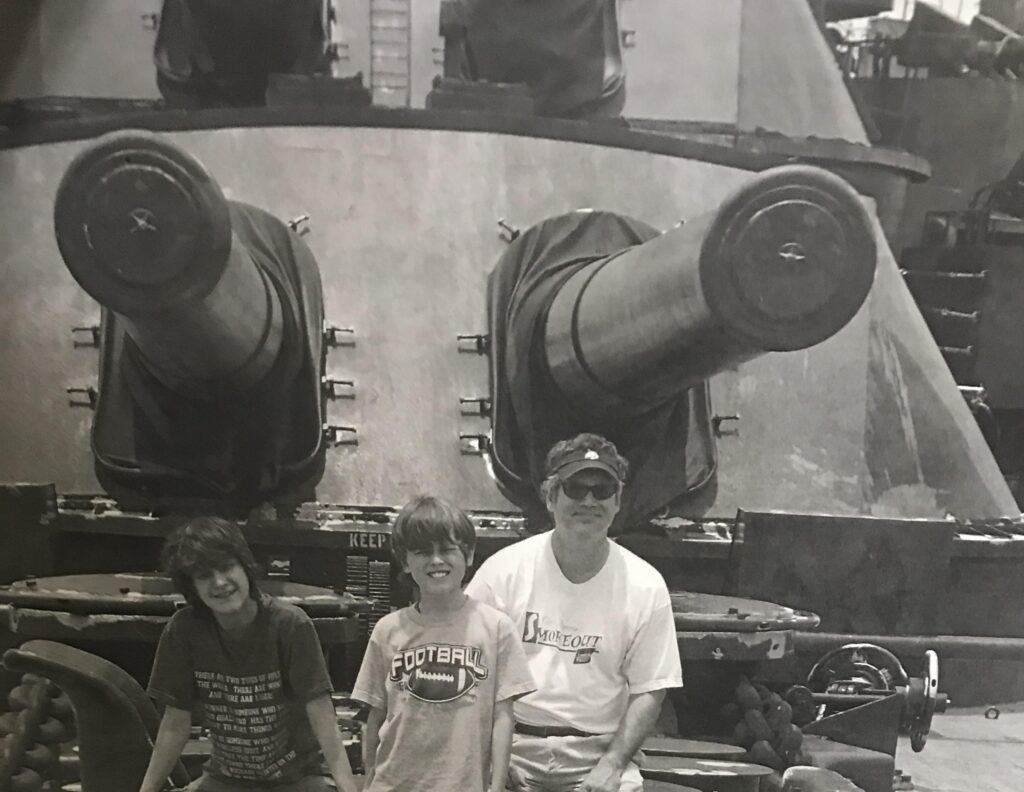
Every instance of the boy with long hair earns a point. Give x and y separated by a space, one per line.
439 675
255 667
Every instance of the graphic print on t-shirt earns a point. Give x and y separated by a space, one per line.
582 645
249 716
438 673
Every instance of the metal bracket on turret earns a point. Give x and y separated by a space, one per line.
475 405
335 435
479 343
509 233
339 336
83 396
718 420
85 336
474 444
338 388
300 224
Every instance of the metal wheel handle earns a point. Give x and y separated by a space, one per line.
922 722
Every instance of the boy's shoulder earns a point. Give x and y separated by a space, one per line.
392 621
281 612
185 618
477 611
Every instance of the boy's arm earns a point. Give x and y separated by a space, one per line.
170 742
371 739
501 744
324 722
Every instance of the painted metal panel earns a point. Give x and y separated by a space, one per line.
351 35
21 62
789 81
99 48
870 422
426 49
682 59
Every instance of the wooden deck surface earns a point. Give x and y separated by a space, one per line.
968 753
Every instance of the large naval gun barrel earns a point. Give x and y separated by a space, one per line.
210 351
603 324
781 264
147 232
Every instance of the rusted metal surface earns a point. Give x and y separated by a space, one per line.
696 611
154 595
735 646
116 722
56 625
698 749
705 774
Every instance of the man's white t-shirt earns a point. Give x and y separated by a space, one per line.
589 645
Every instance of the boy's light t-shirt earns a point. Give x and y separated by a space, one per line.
438 684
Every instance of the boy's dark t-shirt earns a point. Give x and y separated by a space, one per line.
252 689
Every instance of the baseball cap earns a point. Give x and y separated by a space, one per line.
579 459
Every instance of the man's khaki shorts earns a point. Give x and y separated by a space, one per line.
559 764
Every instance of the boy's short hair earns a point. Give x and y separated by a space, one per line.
428 520
203 544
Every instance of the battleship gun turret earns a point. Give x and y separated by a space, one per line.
211 332
602 324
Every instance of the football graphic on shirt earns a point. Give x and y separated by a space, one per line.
439 682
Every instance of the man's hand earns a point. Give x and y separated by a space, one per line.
516 782
605 777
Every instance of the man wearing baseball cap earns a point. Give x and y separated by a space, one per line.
596 624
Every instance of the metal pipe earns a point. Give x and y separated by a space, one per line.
850 700
914 646
781 264
146 231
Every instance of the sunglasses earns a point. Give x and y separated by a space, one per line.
577 490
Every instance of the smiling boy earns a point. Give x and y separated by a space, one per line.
255 667
440 675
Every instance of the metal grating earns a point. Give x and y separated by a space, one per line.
357 581
379 586
389 52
